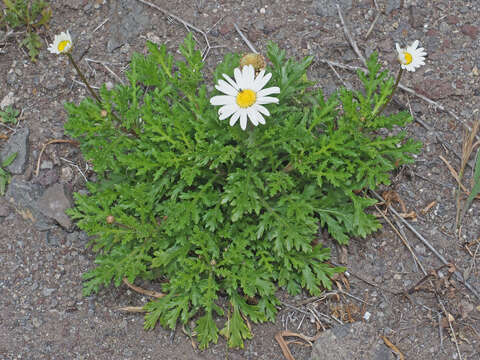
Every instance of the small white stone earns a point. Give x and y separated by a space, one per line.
262 10
366 316
8 100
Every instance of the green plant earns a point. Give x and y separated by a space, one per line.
4 174
9 115
29 14
224 217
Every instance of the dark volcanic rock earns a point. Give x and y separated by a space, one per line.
17 143
53 203
24 195
128 20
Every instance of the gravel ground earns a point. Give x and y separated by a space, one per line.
42 256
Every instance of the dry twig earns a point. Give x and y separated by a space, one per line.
372 26
284 344
457 274
404 240
450 319
244 38
101 24
427 208
77 167
183 22
142 291
455 176
393 347
54 141
132 309
350 38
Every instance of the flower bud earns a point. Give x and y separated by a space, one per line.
256 60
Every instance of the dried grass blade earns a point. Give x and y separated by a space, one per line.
393 347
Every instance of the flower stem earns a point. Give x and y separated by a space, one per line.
397 81
79 72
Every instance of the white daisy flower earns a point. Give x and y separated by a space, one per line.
61 44
244 97
411 57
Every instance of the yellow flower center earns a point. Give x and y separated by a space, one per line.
408 58
62 45
246 98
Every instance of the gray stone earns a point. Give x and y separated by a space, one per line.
4 208
128 20
24 195
53 203
349 342
52 239
47 292
46 165
36 322
66 174
17 143
329 8
46 178
11 77
7 100
78 239
392 5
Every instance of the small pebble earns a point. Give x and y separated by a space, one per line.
47 292
66 174
366 316
46 165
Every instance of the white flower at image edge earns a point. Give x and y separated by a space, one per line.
61 44
244 98
412 57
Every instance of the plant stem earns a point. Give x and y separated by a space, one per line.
94 94
79 72
397 81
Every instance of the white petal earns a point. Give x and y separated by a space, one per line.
222 100
243 119
53 49
260 118
248 75
234 118
268 91
226 88
261 82
261 109
259 76
399 49
266 100
414 44
252 114
226 111
231 82
238 78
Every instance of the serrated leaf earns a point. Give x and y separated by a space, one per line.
207 330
